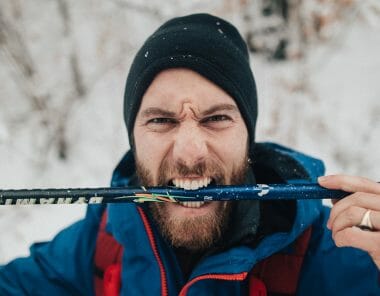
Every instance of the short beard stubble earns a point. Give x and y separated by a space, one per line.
199 233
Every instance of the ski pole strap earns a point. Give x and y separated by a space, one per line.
168 194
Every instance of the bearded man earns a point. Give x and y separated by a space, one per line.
190 110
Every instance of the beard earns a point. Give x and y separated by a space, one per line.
192 233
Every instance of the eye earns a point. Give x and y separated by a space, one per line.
161 124
161 120
218 121
216 118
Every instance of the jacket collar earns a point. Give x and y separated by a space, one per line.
127 227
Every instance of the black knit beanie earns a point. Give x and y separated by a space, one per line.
205 44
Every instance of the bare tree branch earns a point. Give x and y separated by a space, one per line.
16 46
77 77
64 12
15 50
140 8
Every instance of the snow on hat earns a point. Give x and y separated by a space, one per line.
203 43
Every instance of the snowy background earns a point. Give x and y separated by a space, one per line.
63 66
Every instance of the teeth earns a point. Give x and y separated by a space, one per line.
192 204
191 184
196 185
187 185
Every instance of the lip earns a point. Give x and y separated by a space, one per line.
192 204
182 211
189 177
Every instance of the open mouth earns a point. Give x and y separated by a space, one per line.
192 183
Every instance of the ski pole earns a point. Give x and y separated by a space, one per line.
167 194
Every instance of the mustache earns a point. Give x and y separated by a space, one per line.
197 169
179 169
170 169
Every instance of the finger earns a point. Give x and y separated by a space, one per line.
349 183
354 237
359 199
350 217
353 216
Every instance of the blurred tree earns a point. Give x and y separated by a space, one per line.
281 29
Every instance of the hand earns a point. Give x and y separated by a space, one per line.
348 213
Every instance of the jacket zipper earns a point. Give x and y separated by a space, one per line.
227 277
164 287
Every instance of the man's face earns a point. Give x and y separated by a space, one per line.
189 133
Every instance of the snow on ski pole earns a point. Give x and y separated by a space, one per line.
167 194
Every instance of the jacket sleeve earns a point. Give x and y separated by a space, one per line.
63 266
329 270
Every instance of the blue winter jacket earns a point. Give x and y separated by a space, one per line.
65 265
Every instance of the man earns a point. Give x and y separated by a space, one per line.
190 110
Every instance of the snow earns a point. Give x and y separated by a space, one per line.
326 105
340 113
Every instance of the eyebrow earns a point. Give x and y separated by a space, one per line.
155 111
220 107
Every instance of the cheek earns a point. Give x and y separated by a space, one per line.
232 147
150 150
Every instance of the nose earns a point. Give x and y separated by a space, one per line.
190 145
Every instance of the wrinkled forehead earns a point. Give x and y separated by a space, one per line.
178 88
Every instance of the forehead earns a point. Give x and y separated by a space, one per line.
172 88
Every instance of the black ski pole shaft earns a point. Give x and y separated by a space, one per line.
167 194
